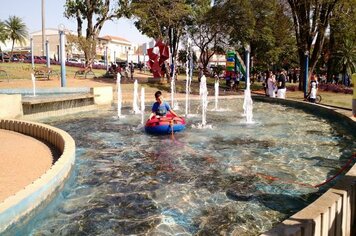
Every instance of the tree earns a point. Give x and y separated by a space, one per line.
236 19
95 13
273 40
3 33
182 56
341 42
262 24
162 20
346 58
206 32
17 31
311 20
3 36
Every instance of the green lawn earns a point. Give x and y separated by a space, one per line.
328 98
21 70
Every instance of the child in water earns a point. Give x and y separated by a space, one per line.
160 107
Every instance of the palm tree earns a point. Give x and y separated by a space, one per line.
346 57
17 31
3 36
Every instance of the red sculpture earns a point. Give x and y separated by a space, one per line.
157 56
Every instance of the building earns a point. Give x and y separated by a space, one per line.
52 35
118 48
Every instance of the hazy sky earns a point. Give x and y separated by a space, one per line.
30 12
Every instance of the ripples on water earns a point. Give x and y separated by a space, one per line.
207 182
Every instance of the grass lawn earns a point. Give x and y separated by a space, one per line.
23 70
19 70
328 98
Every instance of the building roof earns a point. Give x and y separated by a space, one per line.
49 31
115 39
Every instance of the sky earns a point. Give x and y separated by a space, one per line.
30 12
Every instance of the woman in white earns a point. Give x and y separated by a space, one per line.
271 84
313 88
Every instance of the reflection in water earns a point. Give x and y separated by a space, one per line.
206 182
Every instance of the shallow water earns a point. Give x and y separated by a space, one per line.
212 181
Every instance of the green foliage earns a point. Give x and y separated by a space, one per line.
236 19
346 57
311 20
16 30
340 53
95 13
206 32
182 56
3 32
154 17
162 19
264 25
273 41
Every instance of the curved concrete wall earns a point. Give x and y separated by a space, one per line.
333 213
23 202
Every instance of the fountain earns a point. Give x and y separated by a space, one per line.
136 109
208 180
33 78
203 92
216 97
188 70
119 95
174 104
142 106
247 106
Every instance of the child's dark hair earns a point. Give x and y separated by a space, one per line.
158 94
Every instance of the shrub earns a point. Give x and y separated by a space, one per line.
292 88
336 88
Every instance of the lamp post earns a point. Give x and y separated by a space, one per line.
306 73
43 28
62 55
247 51
32 58
127 56
47 54
106 58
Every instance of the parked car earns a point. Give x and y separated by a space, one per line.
99 62
73 60
4 56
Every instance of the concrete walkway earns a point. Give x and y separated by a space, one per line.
22 160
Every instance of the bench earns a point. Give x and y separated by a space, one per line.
45 72
4 74
85 72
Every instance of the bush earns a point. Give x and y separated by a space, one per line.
336 88
292 88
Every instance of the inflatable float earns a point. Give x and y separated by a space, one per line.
164 124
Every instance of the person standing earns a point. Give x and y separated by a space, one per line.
271 84
281 85
132 70
313 89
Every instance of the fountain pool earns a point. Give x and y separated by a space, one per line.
204 182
